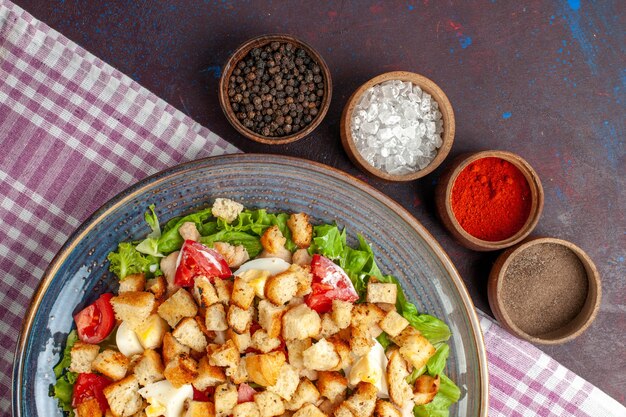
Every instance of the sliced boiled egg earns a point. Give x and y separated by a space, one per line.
127 341
165 400
256 278
152 331
371 368
272 265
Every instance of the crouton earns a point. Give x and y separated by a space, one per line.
247 409
123 397
327 407
342 313
111 363
241 341
301 229
133 307
305 393
273 240
151 332
301 322
331 385
82 355
309 374
295 348
225 399
243 293
363 401
203 292
261 341
234 255
270 404
168 267
215 318
208 375
134 282
224 289
189 231
264 369
393 323
343 350
378 292
361 340
240 374
301 257
329 327
181 370
366 315
303 277
321 356
188 333
226 355
425 389
89 408
200 409
178 306
282 287
399 390
405 335
386 409
415 348
270 317
240 319
386 307
157 286
149 368
295 302
287 383
226 209
172 348
309 410
343 411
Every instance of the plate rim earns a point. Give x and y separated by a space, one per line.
162 176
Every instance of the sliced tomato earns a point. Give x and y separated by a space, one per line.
196 259
90 386
330 282
96 321
204 396
245 393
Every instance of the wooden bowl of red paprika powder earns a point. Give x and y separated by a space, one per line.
489 200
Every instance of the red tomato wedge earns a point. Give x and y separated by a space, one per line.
245 393
204 396
330 282
96 321
90 386
196 259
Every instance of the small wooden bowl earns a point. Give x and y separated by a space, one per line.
238 55
447 114
443 193
576 326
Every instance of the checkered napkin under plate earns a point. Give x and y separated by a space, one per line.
74 132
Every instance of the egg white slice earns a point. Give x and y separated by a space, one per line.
272 265
371 368
164 399
127 341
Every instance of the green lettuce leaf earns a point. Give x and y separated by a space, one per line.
127 261
437 362
384 340
64 387
447 395
329 241
250 242
433 329
150 245
415 374
256 221
170 240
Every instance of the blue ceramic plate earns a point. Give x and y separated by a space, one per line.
78 274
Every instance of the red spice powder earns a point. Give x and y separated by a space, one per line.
491 199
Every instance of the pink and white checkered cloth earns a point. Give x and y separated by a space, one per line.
74 132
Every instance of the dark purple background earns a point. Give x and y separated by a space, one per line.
542 79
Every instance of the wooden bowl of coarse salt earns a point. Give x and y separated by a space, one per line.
545 290
398 126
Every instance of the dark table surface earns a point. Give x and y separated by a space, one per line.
546 80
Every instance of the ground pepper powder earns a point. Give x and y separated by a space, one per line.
491 199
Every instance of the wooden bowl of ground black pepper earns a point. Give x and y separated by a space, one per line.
489 200
544 290
275 89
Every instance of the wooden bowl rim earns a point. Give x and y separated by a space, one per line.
241 52
425 84
534 182
495 288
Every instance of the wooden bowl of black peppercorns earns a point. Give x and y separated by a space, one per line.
275 89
